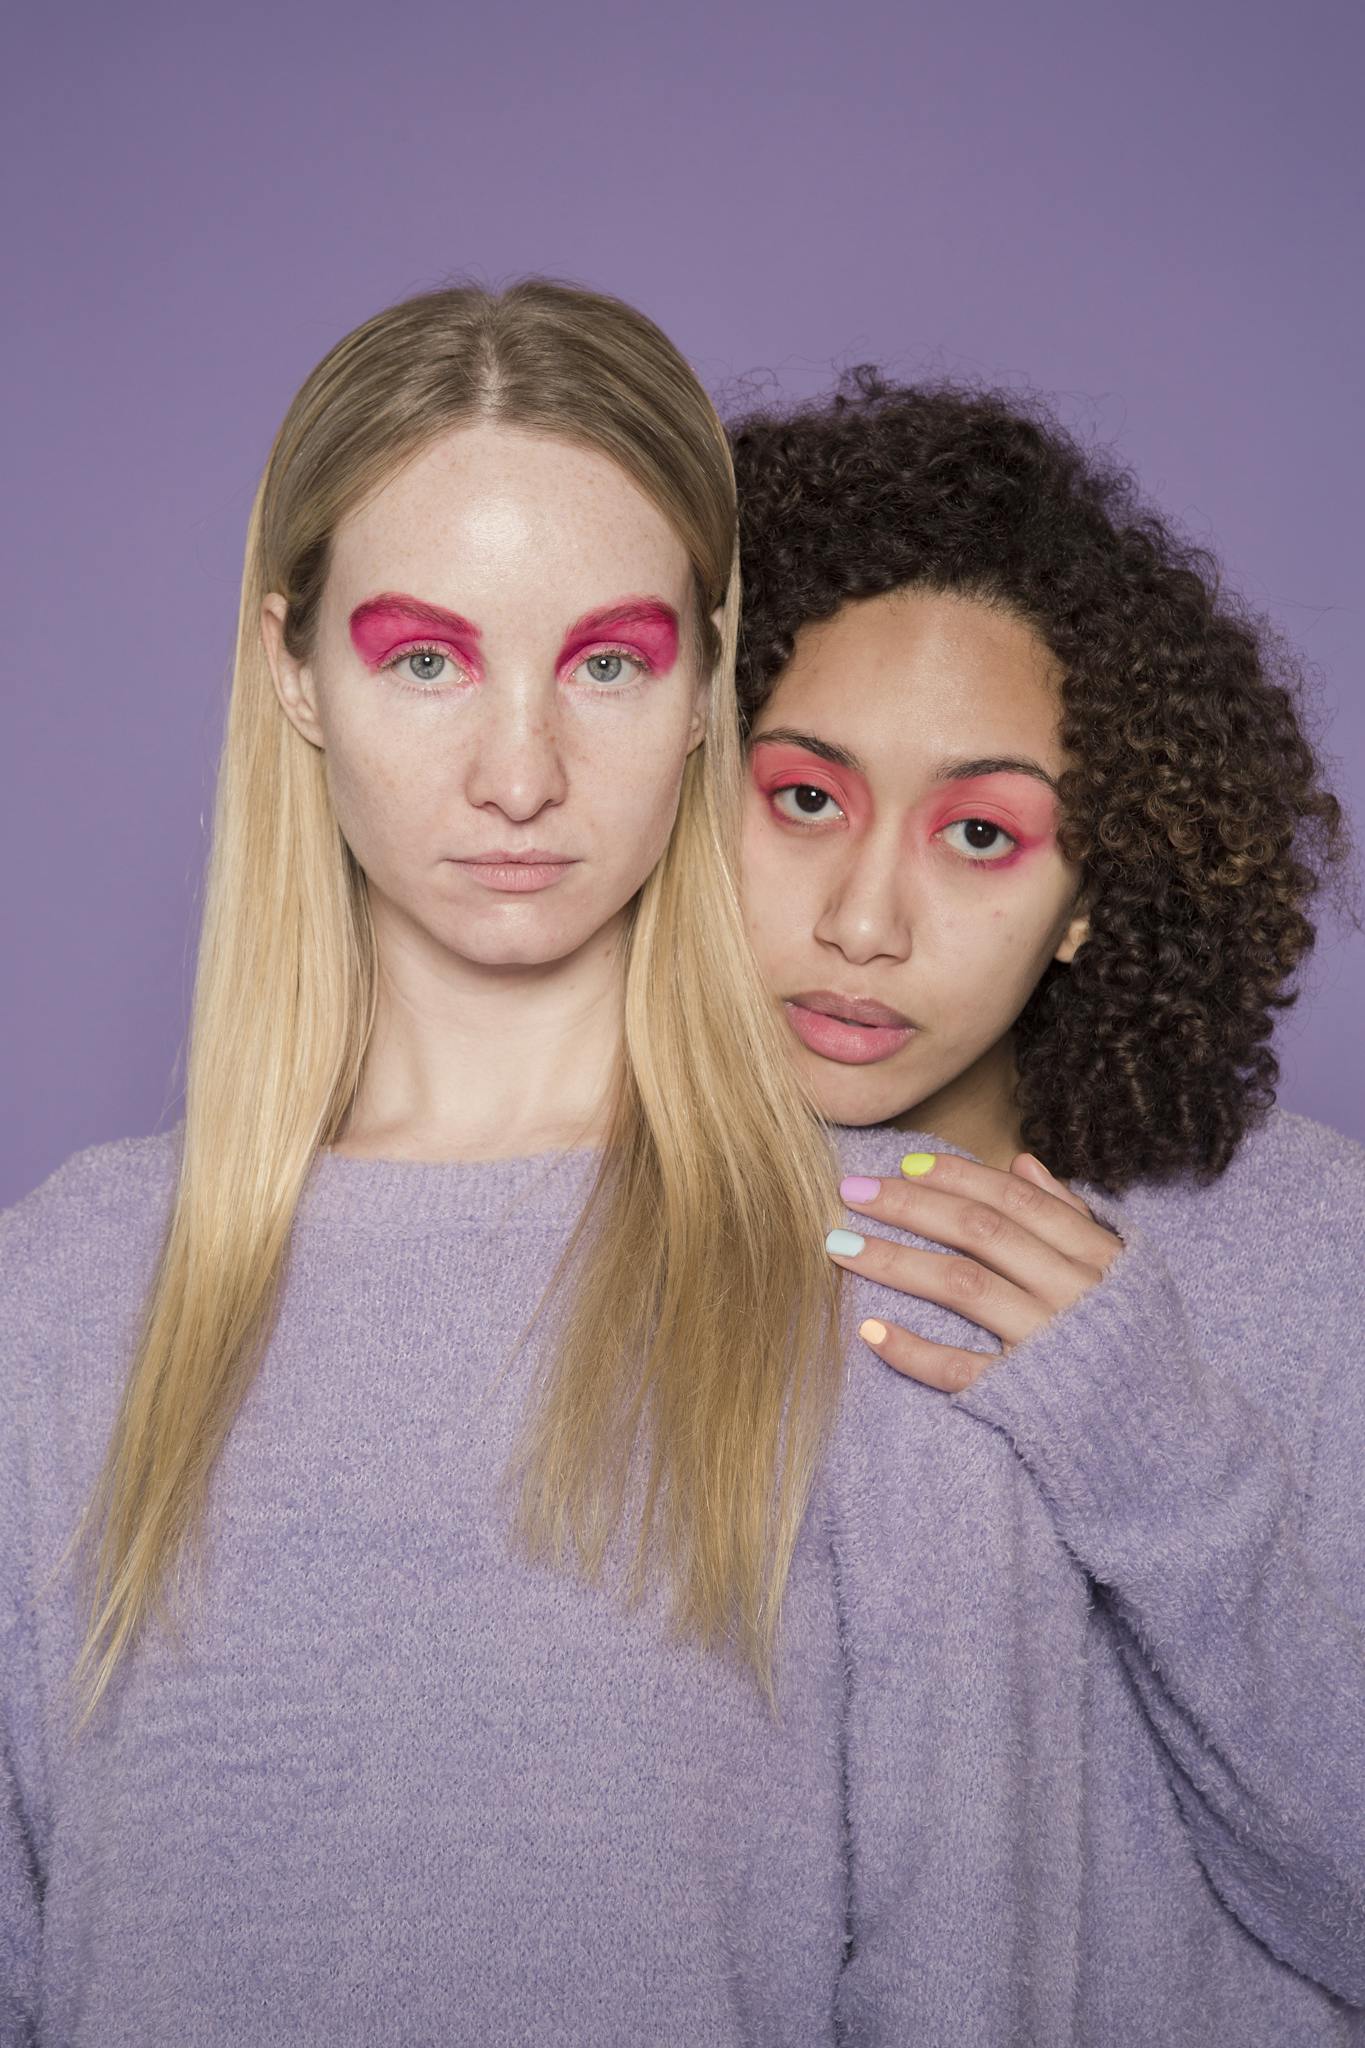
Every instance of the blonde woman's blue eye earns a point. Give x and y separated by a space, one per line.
982 839
605 669
424 665
804 804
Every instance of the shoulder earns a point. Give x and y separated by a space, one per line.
879 1149
77 1253
1292 1152
1267 1258
114 1185
1293 1189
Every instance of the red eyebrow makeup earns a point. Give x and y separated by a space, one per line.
644 626
383 625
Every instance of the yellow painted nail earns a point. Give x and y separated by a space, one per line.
917 1162
874 1331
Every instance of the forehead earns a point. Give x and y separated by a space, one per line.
918 674
487 512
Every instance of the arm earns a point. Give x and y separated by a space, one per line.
1236 1594
1233 1578
964 1733
20 1888
20 1735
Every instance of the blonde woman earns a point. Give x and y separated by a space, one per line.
321 1730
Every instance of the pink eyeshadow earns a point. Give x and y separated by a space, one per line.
383 625
1026 809
782 767
642 626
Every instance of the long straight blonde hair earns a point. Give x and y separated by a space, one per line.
701 1330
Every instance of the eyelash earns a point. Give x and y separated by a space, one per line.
627 654
987 860
405 654
802 824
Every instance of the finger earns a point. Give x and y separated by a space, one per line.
933 1365
1058 1223
985 1232
962 1285
1028 1167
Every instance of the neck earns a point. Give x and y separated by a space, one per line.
474 1062
977 1110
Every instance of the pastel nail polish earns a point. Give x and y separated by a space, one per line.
915 1163
872 1331
844 1244
856 1187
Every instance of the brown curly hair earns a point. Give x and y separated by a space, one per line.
1196 809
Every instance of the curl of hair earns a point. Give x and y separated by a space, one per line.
1195 807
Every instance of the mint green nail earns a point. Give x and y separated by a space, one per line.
845 1244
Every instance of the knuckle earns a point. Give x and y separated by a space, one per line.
965 1281
982 1225
1025 1201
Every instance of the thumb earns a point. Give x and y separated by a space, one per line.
1026 1167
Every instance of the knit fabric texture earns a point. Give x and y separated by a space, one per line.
1070 1741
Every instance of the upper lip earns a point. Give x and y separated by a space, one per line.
523 857
851 1009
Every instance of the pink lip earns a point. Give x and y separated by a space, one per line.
517 874
850 1029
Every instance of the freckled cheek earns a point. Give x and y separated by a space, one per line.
390 799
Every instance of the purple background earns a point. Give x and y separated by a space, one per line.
1152 212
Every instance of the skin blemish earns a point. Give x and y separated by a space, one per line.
781 762
643 627
383 626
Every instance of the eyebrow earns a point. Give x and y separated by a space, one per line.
1001 764
634 611
416 609
823 750
948 771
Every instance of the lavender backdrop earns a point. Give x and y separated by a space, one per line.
1151 211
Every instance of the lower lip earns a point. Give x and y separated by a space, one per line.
853 1045
521 878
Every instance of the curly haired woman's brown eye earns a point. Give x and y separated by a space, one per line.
802 800
981 838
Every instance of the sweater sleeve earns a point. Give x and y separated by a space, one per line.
20 1887
1237 1599
20 1733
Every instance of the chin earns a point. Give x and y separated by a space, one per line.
852 1095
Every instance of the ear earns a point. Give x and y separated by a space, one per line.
1074 937
701 707
294 685
701 702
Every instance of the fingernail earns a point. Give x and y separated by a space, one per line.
917 1162
873 1331
856 1187
844 1244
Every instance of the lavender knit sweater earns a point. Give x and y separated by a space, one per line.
1072 1688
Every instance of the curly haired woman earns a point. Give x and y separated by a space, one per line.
1033 837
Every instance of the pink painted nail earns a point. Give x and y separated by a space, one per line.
856 1187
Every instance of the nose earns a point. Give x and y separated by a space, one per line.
515 762
866 912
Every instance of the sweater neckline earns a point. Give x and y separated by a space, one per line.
403 1194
